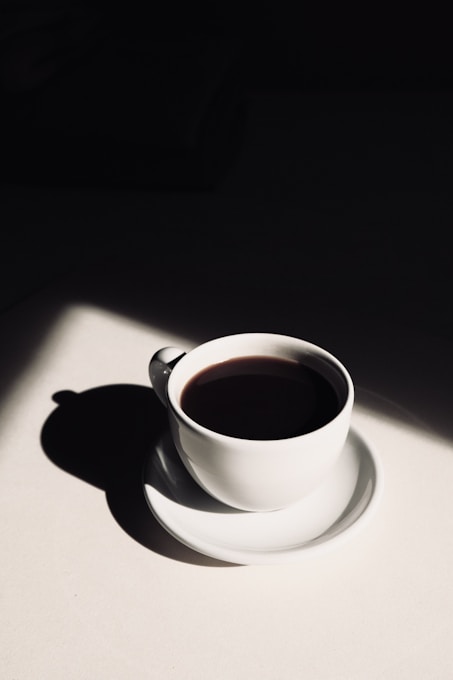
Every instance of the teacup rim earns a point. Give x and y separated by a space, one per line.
175 407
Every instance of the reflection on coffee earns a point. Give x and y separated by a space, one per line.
260 398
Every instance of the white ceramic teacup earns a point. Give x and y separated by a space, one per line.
253 474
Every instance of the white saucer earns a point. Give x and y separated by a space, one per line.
334 511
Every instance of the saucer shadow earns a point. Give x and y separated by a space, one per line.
103 436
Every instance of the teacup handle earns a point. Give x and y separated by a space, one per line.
160 367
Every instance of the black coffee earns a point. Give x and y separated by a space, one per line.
260 398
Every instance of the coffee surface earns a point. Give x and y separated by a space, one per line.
260 398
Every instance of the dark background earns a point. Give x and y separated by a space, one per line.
280 170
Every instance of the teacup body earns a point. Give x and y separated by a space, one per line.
256 474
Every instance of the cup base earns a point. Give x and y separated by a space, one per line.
333 512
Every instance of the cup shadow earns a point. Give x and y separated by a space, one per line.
103 436
166 473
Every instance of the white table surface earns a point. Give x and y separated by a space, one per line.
84 597
90 586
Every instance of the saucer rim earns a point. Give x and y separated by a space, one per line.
291 554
